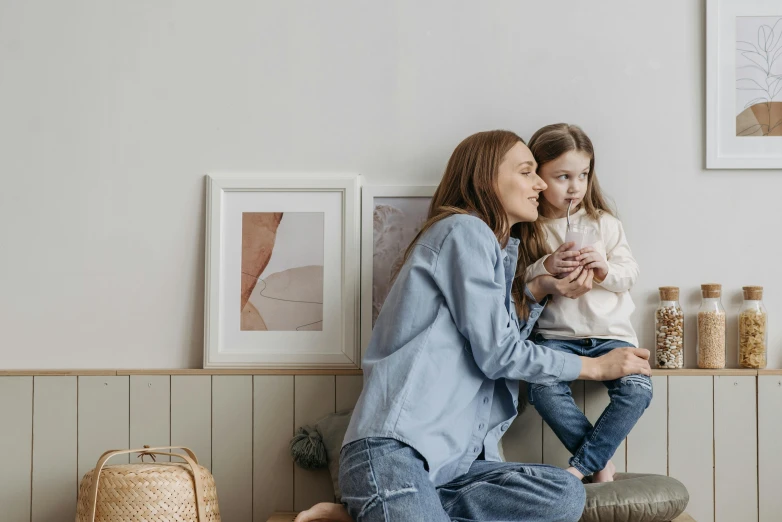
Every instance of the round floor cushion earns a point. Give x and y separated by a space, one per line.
635 497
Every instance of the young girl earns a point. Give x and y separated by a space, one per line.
442 370
595 323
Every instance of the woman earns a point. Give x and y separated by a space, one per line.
442 371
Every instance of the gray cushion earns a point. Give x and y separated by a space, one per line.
332 429
636 497
630 498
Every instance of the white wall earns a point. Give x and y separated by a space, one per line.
111 112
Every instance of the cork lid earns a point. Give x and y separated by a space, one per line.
669 293
711 290
753 293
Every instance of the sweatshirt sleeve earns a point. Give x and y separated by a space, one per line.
536 269
623 270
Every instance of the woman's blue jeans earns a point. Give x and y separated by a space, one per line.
384 480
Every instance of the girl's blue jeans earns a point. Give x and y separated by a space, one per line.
591 446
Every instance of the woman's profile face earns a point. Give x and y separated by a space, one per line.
518 185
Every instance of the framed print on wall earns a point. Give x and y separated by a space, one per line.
744 84
391 216
282 271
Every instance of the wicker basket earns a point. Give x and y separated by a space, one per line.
148 491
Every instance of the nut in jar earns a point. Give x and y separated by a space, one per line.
669 330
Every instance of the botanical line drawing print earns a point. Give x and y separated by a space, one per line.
759 76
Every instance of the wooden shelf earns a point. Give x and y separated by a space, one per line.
47 373
698 372
249 371
322 371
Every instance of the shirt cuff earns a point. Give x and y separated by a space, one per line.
571 369
601 281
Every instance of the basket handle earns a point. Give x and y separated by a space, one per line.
190 458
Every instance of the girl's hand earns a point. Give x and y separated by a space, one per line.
591 259
562 261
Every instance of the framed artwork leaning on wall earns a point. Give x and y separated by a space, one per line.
391 216
282 271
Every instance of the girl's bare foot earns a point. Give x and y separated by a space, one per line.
606 474
324 512
573 471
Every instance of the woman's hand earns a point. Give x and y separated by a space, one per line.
562 260
573 285
617 363
592 259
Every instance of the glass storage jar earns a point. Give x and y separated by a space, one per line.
711 328
753 329
669 329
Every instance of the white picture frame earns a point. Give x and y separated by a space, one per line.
369 194
331 204
733 142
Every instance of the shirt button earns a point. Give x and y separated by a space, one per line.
476 449
480 426
486 400
515 403
504 427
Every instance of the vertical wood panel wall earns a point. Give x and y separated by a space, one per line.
232 444
16 434
273 427
103 419
55 480
314 398
770 461
647 444
191 415
705 430
735 449
691 441
150 411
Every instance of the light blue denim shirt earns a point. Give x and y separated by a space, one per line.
442 369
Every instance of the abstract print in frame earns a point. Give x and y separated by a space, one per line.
281 271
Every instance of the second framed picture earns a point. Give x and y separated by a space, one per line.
391 216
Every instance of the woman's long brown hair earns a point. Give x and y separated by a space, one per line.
469 185
552 141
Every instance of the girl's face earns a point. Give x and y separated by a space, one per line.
518 185
566 178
